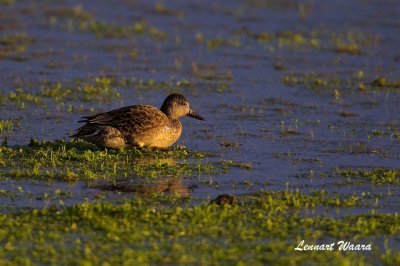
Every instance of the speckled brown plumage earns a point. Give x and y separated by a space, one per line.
137 125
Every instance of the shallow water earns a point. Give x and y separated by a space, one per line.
237 57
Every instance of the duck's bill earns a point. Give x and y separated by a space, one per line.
195 115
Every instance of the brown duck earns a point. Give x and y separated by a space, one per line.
137 125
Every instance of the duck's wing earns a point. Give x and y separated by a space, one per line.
106 117
130 119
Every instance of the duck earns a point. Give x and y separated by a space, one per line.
139 126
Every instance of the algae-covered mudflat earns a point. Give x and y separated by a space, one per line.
297 162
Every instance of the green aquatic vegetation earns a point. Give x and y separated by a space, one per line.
286 200
361 148
248 110
14 44
351 42
255 230
317 82
376 133
156 33
99 90
263 36
213 81
107 30
69 161
161 9
347 114
228 144
383 82
139 84
391 257
347 42
71 18
56 91
221 42
19 193
335 85
348 49
76 12
210 72
15 40
291 37
20 98
6 125
7 2
229 163
306 160
57 194
376 176
289 132
286 131
288 39
151 84
395 134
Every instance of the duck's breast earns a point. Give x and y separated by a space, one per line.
161 136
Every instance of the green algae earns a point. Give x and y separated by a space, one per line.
319 82
377 133
14 44
76 12
71 95
199 247
352 42
346 42
323 82
353 49
77 18
161 9
78 160
7 2
289 132
362 148
15 40
376 176
19 193
98 90
287 39
257 229
384 82
229 163
210 72
221 42
227 144
6 125
347 114
20 98
108 30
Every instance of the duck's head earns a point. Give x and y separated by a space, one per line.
176 105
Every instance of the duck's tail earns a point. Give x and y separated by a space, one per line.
86 131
